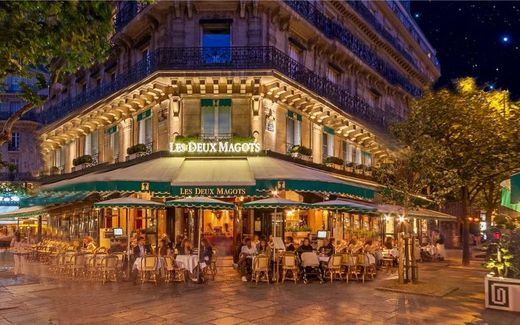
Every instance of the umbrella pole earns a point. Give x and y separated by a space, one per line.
198 240
274 248
127 245
154 214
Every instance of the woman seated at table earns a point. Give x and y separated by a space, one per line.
246 259
142 249
88 244
305 247
186 248
326 249
206 251
264 248
163 248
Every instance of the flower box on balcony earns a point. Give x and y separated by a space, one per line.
82 162
301 152
334 162
135 151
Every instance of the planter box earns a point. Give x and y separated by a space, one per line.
300 156
502 293
80 167
301 234
135 155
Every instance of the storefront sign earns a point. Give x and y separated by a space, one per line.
212 191
215 147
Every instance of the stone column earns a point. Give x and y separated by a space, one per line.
317 146
257 128
174 115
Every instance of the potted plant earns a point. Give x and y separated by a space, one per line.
502 283
301 152
55 170
302 231
335 162
82 162
135 151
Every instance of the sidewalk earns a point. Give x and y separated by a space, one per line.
229 301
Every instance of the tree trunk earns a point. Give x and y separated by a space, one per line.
5 134
466 254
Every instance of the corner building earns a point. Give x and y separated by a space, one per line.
233 100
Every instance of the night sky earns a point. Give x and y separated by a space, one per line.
479 39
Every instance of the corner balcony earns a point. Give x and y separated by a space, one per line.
250 58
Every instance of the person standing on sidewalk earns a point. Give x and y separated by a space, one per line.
18 246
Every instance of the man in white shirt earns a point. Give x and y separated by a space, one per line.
246 259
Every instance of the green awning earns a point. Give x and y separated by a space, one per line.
129 202
345 205
206 102
200 202
515 189
506 200
328 130
52 198
24 212
276 202
216 177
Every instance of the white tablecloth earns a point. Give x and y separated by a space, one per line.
188 262
138 263
323 258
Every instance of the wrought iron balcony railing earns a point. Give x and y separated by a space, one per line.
367 15
230 58
126 11
334 30
414 30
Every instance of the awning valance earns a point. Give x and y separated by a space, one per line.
128 202
216 177
388 209
200 202
24 212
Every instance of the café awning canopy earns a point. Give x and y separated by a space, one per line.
395 210
345 205
129 202
53 198
276 202
24 212
216 177
200 202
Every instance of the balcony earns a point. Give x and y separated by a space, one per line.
333 30
235 58
126 12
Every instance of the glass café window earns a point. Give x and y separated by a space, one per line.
91 144
144 121
215 118
216 42
328 143
367 159
348 150
332 74
294 127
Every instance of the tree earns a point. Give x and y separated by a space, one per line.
464 140
51 38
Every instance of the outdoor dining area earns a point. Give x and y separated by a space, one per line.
276 259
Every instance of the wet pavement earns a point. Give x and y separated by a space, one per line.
40 299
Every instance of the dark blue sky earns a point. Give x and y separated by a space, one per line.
474 38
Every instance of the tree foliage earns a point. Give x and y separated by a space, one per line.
461 141
41 38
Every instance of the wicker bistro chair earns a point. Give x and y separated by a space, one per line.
109 268
169 269
148 270
289 266
334 267
310 267
261 268
211 269
90 265
348 263
364 269
77 268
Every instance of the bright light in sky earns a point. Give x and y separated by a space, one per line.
505 39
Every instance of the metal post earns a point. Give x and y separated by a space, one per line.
127 244
274 249
198 240
39 228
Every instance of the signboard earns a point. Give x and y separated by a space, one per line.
214 191
215 147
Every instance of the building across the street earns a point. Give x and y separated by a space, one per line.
21 159
235 100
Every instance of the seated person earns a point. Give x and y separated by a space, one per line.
326 249
186 248
264 248
290 245
163 247
88 244
246 258
142 249
305 247
206 251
